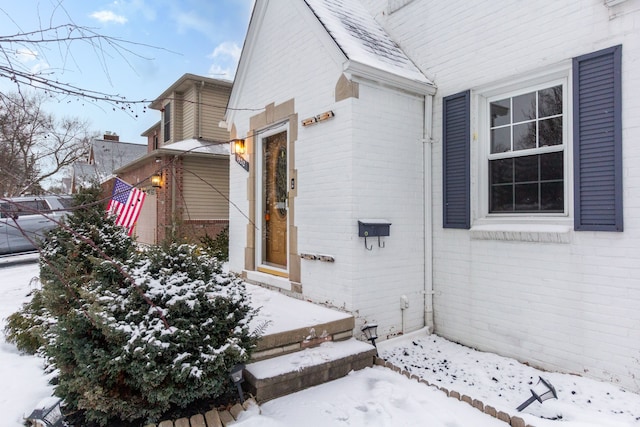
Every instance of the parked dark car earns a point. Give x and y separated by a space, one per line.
24 220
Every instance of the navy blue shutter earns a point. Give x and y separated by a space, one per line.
455 161
597 130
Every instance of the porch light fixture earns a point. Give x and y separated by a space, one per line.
156 180
237 146
236 377
370 331
545 391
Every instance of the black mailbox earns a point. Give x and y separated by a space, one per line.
373 228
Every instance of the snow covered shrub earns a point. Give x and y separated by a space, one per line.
175 334
217 246
69 257
27 328
132 333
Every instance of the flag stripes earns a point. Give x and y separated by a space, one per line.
126 203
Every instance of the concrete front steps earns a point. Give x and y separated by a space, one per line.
289 373
304 344
289 361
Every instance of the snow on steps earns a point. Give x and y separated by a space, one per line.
279 343
289 373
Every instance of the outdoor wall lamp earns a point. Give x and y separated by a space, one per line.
236 377
237 146
370 331
156 180
544 392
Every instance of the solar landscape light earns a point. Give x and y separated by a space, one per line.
49 415
236 377
370 331
545 391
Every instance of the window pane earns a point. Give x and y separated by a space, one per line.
526 197
501 198
501 140
550 101
528 181
167 122
552 196
550 132
501 171
524 136
500 112
552 166
526 169
524 107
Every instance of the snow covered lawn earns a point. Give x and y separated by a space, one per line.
25 383
505 383
371 397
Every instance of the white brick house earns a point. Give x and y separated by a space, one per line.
512 190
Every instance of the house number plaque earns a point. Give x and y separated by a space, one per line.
242 162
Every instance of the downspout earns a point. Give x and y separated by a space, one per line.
199 107
428 213
173 196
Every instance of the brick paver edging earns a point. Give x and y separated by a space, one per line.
513 421
213 418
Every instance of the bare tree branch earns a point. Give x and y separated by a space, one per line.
35 145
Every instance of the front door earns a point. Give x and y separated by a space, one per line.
274 200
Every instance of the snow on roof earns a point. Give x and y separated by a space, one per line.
198 146
362 39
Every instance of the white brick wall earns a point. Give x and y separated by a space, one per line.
564 306
367 162
279 71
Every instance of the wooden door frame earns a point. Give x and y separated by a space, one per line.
260 208
272 116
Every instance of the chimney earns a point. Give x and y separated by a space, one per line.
111 136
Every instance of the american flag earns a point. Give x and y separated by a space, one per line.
126 202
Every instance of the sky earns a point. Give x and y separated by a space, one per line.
161 41
373 397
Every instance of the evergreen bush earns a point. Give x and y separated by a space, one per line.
217 246
135 333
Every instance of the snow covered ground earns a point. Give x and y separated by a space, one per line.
505 383
371 397
25 383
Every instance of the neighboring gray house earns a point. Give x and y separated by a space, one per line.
105 156
499 140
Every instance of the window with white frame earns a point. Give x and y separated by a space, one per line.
530 162
526 153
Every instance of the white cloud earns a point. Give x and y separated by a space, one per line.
228 49
226 56
40 67
192 21
26 55
32 60
219 72
108 16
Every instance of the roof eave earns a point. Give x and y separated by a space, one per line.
419 86
181 84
